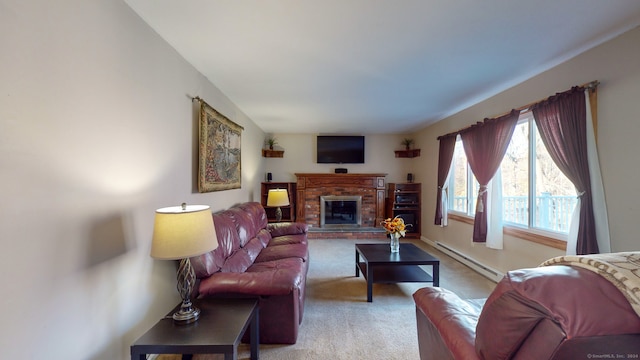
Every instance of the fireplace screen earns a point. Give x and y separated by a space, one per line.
340 211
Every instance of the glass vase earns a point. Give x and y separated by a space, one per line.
395 242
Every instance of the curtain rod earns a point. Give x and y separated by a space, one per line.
592 85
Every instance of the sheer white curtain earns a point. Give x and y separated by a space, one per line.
494 211
445 201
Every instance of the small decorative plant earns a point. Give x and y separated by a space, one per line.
407 143
271 141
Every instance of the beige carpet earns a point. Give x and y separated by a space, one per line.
339 323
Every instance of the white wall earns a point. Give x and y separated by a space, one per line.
96 132
615 65
300 157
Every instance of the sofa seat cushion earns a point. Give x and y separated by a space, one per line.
279 277
454 318
271 253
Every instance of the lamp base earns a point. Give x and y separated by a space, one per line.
187 314
186 278
278 214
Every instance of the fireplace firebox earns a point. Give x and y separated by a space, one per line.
340 211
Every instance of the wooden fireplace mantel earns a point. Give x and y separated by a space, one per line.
310 185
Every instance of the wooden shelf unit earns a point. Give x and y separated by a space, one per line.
272 153
404 199
288 212
411 153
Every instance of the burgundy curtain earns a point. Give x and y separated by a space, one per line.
485 145
562 123
445 155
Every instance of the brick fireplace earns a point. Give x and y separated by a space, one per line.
371 187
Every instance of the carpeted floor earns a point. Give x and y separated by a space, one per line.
339 323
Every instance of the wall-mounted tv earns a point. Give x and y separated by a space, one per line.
336 149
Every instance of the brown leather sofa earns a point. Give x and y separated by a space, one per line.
554 312
258 259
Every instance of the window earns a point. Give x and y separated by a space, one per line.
515 170
462 182
529 176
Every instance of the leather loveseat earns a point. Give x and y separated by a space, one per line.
554 312
258 259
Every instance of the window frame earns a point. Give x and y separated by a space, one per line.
526 232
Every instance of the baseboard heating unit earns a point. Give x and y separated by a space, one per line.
489 273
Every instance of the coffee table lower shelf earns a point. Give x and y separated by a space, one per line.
395 274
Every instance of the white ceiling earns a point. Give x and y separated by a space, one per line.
376 66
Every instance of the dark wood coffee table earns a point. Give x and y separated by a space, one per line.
379 265
219 330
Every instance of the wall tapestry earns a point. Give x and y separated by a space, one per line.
219 153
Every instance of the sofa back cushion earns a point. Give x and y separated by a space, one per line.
228 243
249 218
241 232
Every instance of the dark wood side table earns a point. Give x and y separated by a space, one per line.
219 330
379 265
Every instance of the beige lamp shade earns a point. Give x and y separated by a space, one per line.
181 232
278 197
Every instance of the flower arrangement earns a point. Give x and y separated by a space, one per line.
395 226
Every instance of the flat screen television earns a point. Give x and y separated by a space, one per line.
340 149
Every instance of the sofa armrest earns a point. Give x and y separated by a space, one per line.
539 311
287 228
430 343
454 318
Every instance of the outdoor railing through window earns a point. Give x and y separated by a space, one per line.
553 213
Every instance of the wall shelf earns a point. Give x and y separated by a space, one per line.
272 153
411 153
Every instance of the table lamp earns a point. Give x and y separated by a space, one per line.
278 197
181 232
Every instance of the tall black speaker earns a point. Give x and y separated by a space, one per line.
269 177
409 177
